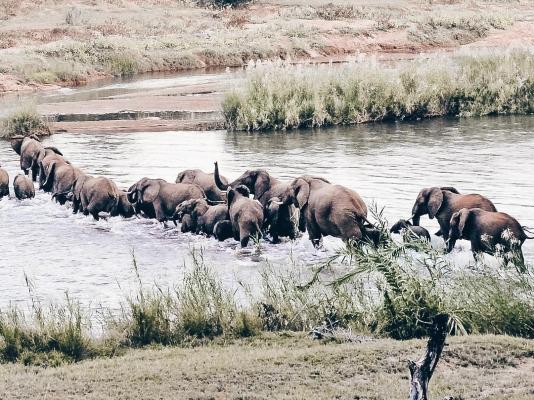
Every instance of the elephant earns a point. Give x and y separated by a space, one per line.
124 207
264 187
328 209
28 148
246 215
95 195
442 202
205 181
60 179
415 231
223 230
4 183
46 157
275 211
23 187
158 198
203 216
485 230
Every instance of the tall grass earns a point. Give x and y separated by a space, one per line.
394 290
280 96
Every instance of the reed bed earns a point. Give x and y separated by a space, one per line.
281 96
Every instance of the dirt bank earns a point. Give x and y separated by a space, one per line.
285 367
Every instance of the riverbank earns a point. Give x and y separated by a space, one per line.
70 43
285 366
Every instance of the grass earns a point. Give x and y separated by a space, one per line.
285 366
25 122
393 291
82 41
279 96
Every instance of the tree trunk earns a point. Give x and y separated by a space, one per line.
422 370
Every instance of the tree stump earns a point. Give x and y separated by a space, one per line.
422 370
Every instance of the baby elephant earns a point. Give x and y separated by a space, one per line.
4 183
23 187
202 216
485 230
246 215
223 230
416 231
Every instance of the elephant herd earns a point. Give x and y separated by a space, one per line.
257 204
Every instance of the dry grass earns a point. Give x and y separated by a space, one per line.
285 366
74 42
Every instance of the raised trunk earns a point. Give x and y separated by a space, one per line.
217 178
422 370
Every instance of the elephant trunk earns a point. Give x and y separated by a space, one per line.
217 178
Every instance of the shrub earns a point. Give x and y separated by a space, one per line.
281 96
24 122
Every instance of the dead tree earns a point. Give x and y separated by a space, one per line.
422 370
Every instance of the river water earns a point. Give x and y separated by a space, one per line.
386 163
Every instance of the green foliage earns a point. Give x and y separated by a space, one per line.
281 96
24 122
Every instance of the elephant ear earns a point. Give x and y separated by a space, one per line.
150 191
302 192
435 199
262 184
48 182
465 215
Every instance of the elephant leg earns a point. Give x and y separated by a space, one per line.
438 233
35 171
314 233
95 215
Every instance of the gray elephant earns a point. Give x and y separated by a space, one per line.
160 198
246 215
28 147
60 178
487 229
264 187
124 207
415 231
4 183
329 210
203 216
205 181
23 187
95 195
273 211
442 202
223 230
45 159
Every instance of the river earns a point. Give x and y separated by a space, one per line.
386 163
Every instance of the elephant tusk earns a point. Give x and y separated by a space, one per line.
279 203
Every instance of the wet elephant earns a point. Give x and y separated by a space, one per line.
206 182
203 216
60 178
486 230
4 183
246 215
23 187
442 202
264 187
160 198
328 209
415 231
95 195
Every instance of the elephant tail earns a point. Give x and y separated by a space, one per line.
529 230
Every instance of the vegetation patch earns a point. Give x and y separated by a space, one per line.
280 96
24 122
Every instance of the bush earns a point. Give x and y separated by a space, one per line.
24 122
281 96
222 3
